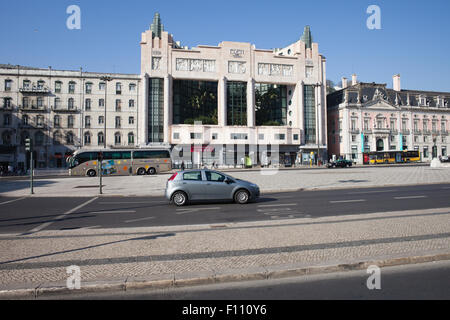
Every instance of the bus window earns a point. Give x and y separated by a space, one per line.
107 155
126 155
85 157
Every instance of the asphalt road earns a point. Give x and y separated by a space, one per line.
29 215
410 282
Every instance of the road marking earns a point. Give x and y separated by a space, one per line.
113 211
277 205
274 210
348 201
182 211
45 225
364 192
142 219
11 201
410 197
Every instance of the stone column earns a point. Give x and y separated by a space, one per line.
251 102
143 132
167 95
222 108
301 110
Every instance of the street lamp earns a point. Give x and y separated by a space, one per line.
106 79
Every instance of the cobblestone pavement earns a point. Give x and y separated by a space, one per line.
268 180
105 254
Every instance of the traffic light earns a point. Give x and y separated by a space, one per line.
28 144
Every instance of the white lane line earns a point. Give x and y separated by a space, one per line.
113 211
130 202
364 192
182 211
45 225
142 219
277 205
11 201
410 197
348 201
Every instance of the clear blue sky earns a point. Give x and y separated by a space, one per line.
414 40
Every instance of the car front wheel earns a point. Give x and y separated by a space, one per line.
241 196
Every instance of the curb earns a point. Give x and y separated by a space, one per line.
167 281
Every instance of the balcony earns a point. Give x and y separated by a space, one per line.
444 133
367 131
426 132
394 132
354 131
381 130
417 132
33 108
406 132
65 109
35 89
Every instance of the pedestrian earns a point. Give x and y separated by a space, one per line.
182 165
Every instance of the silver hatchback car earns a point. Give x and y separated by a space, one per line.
202 184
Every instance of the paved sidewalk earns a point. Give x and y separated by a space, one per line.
268 180
124 259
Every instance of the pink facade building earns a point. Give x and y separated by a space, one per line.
366 117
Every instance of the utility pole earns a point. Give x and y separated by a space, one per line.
29 148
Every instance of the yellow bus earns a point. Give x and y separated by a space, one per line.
392 157
120 162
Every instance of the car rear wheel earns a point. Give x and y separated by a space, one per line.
141 172
151 171
179 198
91 173
241 196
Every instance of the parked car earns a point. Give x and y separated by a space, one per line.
203 184
341 163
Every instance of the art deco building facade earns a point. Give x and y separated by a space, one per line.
364 117
246 99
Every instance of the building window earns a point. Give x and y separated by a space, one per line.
270 104
118 88
71 87
25 101
155 127
131 120
117 138
57 103
131 138
131 103
215 136
101 103
196 135
88 104
39 138
310 114
87 121
101 86
57 121
132 87
69 138
7 102
58 86
88 88
25 120
6 137
239 136
71 103
87 138
194 101
8 85
425 152
6 119
117 122
39 121
70 121
296 137
101 120
176 135
236 103
280 136
100 138
26 84
261 136
118 105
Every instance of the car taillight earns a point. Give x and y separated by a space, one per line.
173 177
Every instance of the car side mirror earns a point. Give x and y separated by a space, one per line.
228 181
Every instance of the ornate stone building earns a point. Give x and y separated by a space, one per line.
364 117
